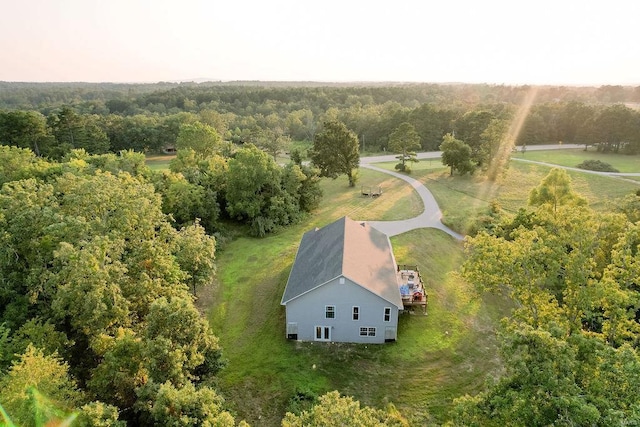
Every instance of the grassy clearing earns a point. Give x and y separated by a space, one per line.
398 200
438 357
573 157
160 161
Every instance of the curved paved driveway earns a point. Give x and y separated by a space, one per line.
430 218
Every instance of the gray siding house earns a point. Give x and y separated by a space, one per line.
343 286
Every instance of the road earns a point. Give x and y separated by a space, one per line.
438 154
431 217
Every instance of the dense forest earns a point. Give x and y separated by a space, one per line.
52 119
102 258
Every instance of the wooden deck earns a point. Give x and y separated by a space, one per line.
412 287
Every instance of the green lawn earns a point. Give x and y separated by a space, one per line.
573 157
159 162
445 354
437 357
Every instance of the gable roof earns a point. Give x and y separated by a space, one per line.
345 248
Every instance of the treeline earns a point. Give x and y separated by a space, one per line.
268 116
612 128
124 97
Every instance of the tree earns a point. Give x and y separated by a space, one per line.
186 406
432 124
19 163
203 139
255 192
334 410
196 255
73 130
309 193
140 132
92 256
98 414
25 129
540 387
469 129
616 126
178 343
272 140
336 151
456 154
570 346
35 378
404 140
497 142
188 202
532 131
555 190
39 333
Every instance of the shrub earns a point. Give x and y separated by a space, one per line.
597 165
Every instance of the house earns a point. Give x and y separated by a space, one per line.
343 286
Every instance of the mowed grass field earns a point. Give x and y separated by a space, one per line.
447 353
438 356
462 199
160 161
573 157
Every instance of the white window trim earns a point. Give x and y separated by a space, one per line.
384 316
353 313
368 331
326 311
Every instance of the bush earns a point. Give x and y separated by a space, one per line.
597 165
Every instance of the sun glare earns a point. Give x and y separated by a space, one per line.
509 139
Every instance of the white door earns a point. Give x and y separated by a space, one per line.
323 333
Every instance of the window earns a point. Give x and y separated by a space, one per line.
356 313
387 314
330 312
367 332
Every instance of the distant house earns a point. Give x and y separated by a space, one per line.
344 286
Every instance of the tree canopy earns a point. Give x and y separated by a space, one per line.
570 347
334 410
336 151
94 272
456 154
555 190
404 140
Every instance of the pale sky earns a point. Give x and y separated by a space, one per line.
560 42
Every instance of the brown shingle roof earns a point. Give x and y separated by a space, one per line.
345 247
